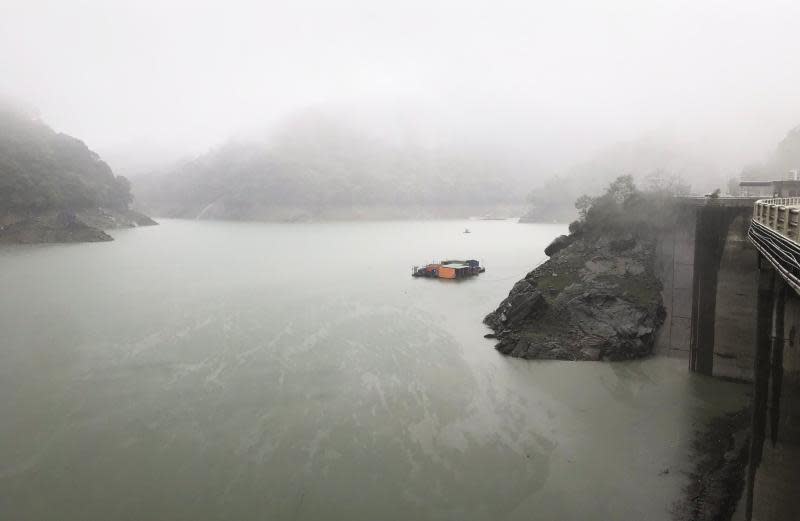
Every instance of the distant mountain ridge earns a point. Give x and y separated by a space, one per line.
315 169
52 183
648 160
779 163
786 156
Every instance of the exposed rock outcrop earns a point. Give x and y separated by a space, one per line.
56 227
63 226
717 479
597 298
108 219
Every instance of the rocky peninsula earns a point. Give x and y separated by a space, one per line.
597 297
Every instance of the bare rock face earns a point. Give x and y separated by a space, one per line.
595 299
610 325
108 219
523 304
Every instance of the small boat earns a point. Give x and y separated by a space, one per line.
466 230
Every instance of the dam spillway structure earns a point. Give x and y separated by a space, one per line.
730 268
449 269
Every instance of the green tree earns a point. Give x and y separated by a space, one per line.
583 204
621 188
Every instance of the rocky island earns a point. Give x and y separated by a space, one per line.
597 297
53 188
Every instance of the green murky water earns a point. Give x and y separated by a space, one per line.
205 371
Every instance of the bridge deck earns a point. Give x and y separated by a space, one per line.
775 232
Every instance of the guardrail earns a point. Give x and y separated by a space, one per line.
781 215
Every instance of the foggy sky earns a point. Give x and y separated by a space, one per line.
555 78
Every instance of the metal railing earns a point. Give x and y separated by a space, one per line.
781 215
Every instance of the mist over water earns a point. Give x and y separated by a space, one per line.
264 353
153 82
209 370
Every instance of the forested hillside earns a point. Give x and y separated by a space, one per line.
53 188
41 169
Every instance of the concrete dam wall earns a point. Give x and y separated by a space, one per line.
732 314
709 272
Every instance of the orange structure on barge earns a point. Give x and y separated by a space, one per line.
449 269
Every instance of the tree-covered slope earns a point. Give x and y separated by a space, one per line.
53 188
42 170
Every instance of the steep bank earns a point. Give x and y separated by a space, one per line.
597 297
717 479
53 188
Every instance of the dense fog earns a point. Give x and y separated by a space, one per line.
359 260
527 93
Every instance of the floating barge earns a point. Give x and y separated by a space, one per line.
449 269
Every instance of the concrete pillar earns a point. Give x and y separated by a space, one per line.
769 327
774 470
737 289
716 227
776 353
710 233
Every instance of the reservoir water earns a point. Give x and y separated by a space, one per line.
244 371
